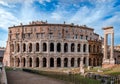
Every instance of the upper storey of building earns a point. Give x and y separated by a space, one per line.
43 30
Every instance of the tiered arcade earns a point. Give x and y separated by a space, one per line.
40 44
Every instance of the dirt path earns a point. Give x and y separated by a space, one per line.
20 77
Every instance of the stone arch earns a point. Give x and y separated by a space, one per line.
24 47
115 60
72 62
58 47
24 62
90 62
44 62
78 62
97 61
51 62
12 47
94 62
18 62
93 48
30 62
65 47
12 61
65 62
72 47
37 47
52 47
78 47
37 62
98 49
18 47
84 60
90 48
30 47
44 47
58 62
84 48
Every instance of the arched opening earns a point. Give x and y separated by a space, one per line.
44 47
51 62
115 61
72 62
72 47
93 48
78 62
18 48
12 47
98 49
84 60
37 47
58 62
89 48
30 47
30 62
24 47
94 62
58 47
44 62
65 62
78 47
51 47
12 61
97 61
90 62
18 62
84 48
65 47
24 62
37 62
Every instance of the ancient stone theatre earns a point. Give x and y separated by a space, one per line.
45 45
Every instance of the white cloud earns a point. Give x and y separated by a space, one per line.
7 19
3 3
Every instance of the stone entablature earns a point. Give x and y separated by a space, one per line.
40 44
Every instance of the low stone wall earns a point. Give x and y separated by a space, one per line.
3 76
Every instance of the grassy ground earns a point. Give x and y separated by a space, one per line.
115 71
74 78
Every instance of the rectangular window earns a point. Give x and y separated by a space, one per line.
81 36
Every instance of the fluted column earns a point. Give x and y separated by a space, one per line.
112 45
105 46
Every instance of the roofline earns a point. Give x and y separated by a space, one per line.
46 24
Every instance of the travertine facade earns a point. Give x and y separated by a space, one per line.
40 44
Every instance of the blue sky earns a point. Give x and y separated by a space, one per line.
93 13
